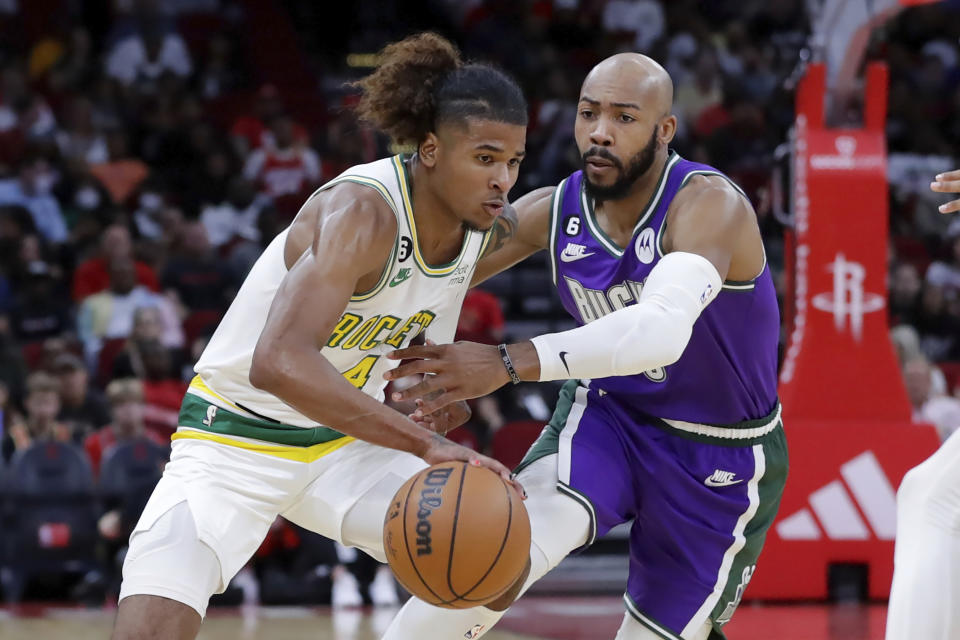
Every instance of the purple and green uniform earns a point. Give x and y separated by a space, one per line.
693 453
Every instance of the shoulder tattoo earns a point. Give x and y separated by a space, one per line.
504 228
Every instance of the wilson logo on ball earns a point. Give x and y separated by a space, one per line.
430 499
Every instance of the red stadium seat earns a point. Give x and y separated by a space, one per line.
512 440
33 354
951 371
108 353
913 251
464 436
198 322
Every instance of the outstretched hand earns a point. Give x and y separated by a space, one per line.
442 420
948 182
461 371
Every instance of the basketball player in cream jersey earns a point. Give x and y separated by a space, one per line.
285 414
926 576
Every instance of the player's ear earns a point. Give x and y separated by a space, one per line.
428 150
666 129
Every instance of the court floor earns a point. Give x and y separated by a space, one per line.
535 618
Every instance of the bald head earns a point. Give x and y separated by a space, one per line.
631 78
624 125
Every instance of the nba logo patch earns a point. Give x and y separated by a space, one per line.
473 633
644 246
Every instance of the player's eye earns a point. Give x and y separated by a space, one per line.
625 118
485 159
586 113
514 162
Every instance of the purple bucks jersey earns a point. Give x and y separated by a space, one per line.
728 372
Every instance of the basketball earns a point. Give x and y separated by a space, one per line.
456 535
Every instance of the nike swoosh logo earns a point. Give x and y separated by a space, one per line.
710 482
563 359
568 258
398 279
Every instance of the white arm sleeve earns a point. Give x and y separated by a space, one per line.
652 333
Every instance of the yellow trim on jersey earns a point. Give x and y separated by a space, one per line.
370 182
383 191
486 240
434 272
297 454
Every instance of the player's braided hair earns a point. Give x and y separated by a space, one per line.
421 81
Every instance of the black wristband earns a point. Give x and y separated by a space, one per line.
508 363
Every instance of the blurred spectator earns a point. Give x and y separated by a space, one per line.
938 328
220 73
127 408
163 389
196 276
15 224
87 208
121 511
140 59
481 318
91 276
75 67
30 189
38 312
287 168
147 328
79 140
150 215
250 132
905 285
906 341
20 109
941 411
700 90
744 146
946 273
642 20
42 404
759 79
13 370
82 406
348 142
236 218
50 350
109 314
30 251
120 173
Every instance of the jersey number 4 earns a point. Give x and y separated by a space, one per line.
358 374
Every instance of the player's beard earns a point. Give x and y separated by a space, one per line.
639 164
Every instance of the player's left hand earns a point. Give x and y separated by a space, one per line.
442 420
462 370
948 182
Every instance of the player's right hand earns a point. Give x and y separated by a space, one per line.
443 450
948 182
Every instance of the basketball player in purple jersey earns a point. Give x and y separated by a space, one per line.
926 576
670 417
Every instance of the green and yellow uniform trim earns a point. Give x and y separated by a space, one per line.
206 415
380 188
403 179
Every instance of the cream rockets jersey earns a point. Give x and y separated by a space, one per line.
411 297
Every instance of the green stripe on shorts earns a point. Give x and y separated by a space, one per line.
196 413
549 441
769 490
